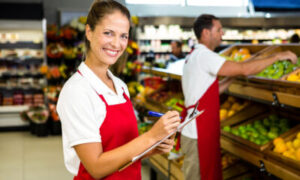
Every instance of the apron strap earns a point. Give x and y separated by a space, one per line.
183 115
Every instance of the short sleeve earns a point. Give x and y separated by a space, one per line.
212 62
79 124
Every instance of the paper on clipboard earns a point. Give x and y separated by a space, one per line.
191 117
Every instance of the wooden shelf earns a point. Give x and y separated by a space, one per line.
253 91
258 158
13 109
162 72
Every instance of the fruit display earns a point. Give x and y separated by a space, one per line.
134 88
231 106
228 160
278 69
288 148
239 55
175 103
261 131
294 76
144 127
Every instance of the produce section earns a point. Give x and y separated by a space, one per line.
252 126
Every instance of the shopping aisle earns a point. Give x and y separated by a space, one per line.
27 157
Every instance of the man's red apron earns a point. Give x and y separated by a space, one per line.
208 129
118 128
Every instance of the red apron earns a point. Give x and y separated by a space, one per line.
118 128
208 130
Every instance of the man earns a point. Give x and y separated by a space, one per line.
176 47
201 138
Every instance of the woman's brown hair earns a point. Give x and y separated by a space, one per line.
98 10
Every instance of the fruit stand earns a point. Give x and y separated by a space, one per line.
274 99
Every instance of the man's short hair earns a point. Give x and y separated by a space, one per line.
204 21
178 43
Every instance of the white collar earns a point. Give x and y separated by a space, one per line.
97 84
199 45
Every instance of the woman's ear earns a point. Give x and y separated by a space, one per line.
88 32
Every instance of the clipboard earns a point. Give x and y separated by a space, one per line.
195 113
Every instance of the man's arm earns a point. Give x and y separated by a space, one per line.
230 68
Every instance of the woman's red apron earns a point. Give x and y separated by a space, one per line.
118 128
208 129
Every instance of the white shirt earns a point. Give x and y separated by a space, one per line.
82 111
199 73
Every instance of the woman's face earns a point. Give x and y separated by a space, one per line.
109 38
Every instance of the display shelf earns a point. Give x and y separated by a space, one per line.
162 72
265 93
13 109
21 45
259 159
266 96
22 61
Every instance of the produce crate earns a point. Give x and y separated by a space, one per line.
279 157
247 112
274 49
166 166
173 90
255 50
293 119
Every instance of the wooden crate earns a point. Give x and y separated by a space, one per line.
293 118
251 110
255 50
279 157
162 163
274 49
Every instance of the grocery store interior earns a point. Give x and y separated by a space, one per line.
42 44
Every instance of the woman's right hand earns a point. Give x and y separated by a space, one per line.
165 125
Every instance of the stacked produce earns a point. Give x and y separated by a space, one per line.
278 69
176 104
231 106
295 76
239 55
228 160
261 131
290 149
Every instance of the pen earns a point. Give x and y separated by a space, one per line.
156 114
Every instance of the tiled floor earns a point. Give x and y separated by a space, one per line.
27 157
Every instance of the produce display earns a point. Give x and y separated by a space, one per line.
231 106
239 55
228 160
261 131
278 69
295 76
290 149
176 104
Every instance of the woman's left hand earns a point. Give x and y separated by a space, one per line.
164 147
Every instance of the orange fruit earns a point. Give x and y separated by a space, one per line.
280 148
298 154
298 135
278 141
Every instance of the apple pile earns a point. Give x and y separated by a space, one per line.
278 69
261 131
290 149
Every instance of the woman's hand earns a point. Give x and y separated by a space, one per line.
165 125
164 147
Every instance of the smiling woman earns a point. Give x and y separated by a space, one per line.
99 128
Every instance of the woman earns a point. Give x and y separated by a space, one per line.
99 127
